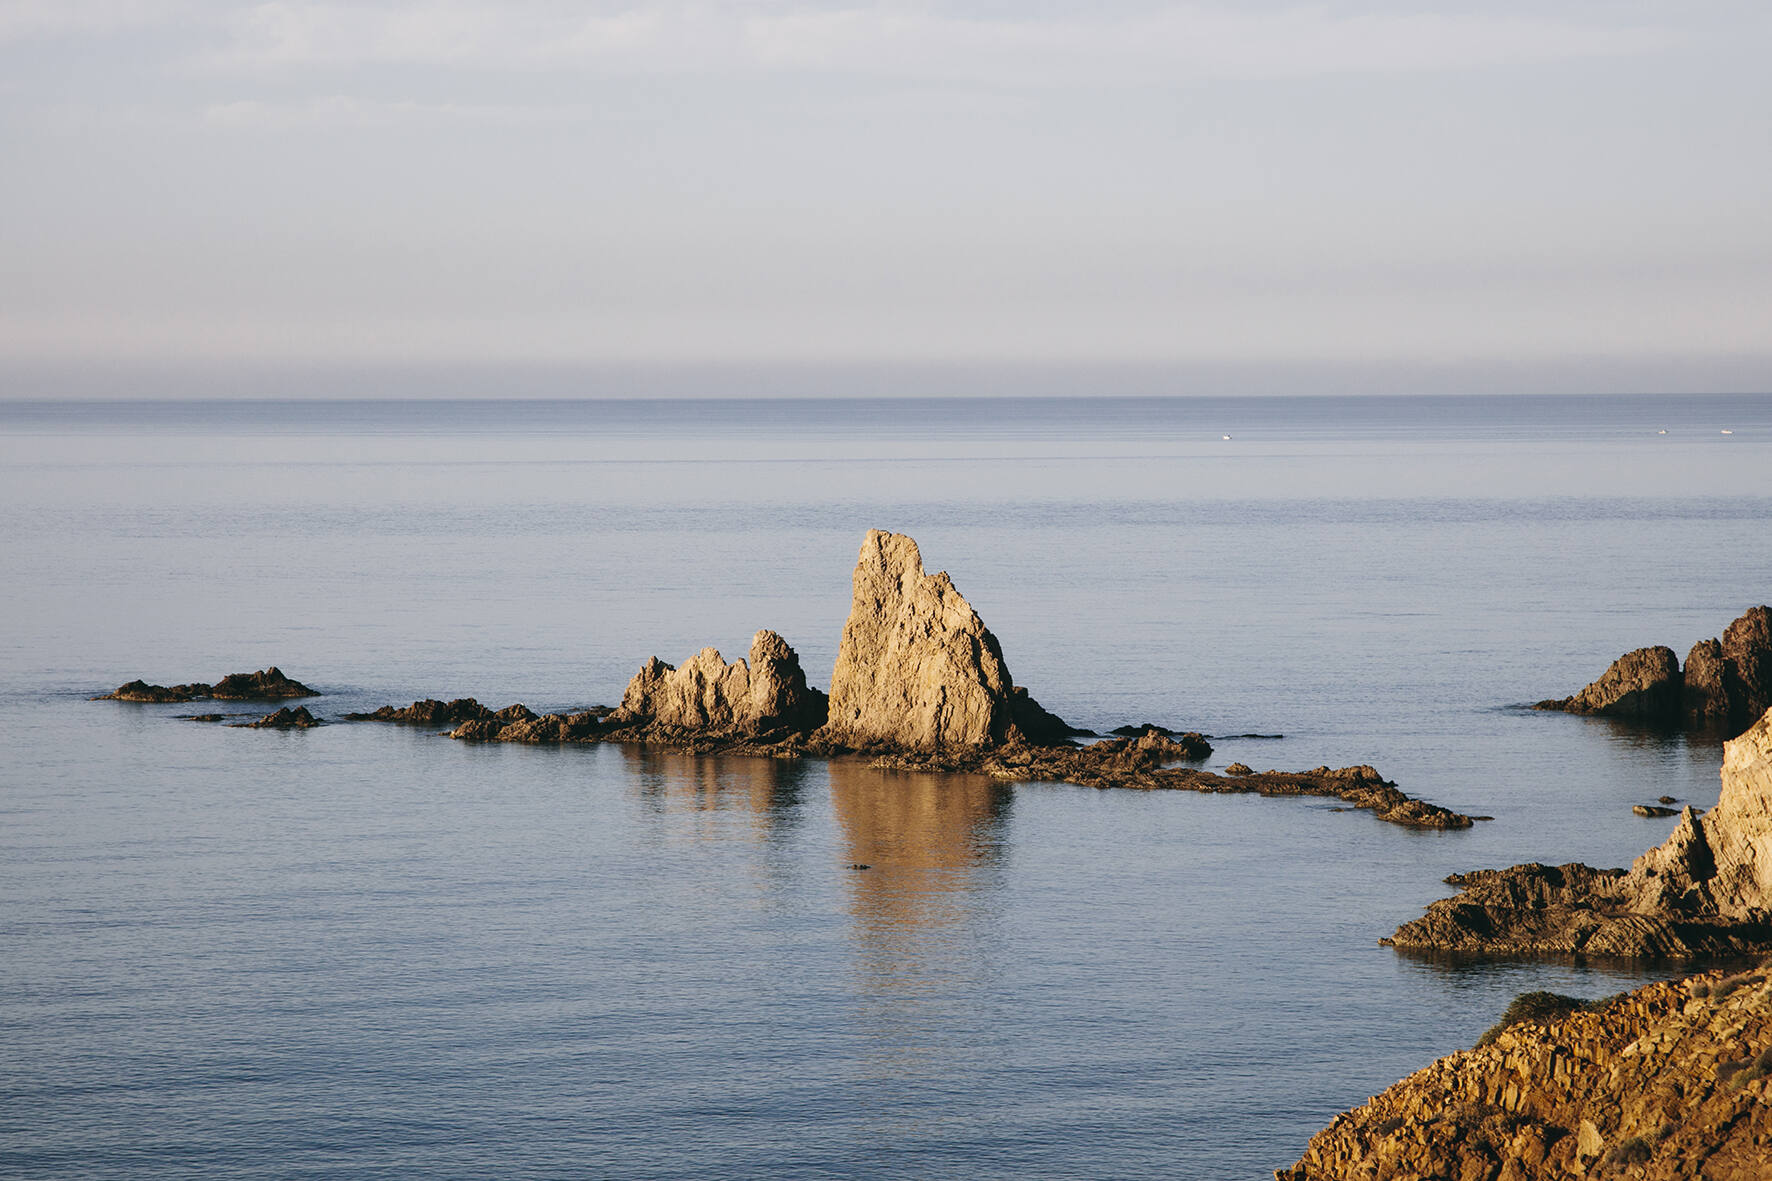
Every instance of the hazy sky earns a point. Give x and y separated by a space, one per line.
1559 184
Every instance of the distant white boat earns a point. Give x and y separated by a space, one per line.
1728 432
1661 432
1224 436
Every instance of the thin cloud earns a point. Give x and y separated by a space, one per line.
24 20
1088 46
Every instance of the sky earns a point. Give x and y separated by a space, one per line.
1562 195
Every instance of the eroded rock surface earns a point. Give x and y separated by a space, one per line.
917 669
265 685
1725 685
1706 890
767 692
431 712
1667 1083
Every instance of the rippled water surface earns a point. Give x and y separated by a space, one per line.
366 951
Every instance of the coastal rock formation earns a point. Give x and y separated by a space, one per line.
1643 686
1707 890
769 692
1670 1082
1724 686
284 719
265 685
917 669
431 712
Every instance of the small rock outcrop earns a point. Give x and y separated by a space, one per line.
1723 687
1667 1083
1706 890
265 685
1643 686
917 669
768 692
284 719
431 712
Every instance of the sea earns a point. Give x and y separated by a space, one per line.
367 951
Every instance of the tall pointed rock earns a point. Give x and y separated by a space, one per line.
917 668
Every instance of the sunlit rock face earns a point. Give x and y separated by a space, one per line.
917 669
767 692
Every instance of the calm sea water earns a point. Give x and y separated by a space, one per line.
366 952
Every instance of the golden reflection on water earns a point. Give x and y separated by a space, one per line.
698 786
932 845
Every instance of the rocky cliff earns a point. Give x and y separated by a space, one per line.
768 692
1670 1082
1724 686
1707 890
917 669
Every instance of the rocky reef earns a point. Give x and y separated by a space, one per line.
1725 684
1670 1082
1707 890
265 685
284 719
920 684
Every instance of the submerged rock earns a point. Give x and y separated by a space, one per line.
768 692
265 685
1707 890
1672 1081
917 669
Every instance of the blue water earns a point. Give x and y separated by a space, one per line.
365 951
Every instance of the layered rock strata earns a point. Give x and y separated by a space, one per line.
1707 890
265 685
1670 1082
1724 685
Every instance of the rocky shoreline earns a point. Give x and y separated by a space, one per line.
1669 1082
1707 890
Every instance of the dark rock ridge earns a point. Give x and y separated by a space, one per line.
284 719
1705 891
1724 686
1667 1083
266 685
431 712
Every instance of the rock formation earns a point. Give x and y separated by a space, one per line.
707 694
284 719
266 685
431 712
1643 686
1670 1082
1724 686
1707 890
917 669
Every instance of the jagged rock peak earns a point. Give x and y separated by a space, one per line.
917 669
1721 864
706 693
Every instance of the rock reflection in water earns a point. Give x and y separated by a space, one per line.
933 845
768 790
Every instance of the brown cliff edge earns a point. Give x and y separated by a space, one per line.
1705 891
919 683
1669 1082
